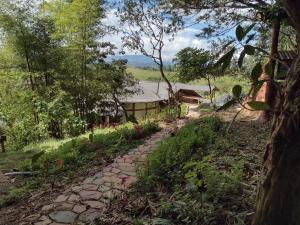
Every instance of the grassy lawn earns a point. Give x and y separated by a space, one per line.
224 83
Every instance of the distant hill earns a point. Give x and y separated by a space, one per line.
137 61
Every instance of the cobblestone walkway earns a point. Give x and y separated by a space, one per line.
86 201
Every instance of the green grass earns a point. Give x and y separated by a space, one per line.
69 157
11 160
223 83
142 74
53 144
226 83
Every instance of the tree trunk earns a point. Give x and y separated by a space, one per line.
210 90
279 185
122 106
270 88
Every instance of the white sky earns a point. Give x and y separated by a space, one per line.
184 38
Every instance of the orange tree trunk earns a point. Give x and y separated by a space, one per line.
270 88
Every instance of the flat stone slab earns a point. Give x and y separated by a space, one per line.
63 216
87 195
79 208
61 198
95 204
89 215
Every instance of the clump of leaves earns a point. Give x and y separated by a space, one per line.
164 165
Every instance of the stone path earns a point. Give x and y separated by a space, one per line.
86 201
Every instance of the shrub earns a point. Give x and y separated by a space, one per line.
82 150
164 165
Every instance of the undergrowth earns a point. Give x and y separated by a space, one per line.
77 154
197 176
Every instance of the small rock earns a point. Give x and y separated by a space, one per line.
90 187
59 224
95 204
73 198
64 206
61 198
48 207
43 220
98 175
103 188
115 170
89 215
89 180
76 189
94 195
79 208
63 216
98 181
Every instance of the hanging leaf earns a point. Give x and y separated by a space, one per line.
268 69
249 49
227 44
250 38
227 105
241 59
258 86
256 105
237 91
226 59
262 50
249 29
239 32
256 72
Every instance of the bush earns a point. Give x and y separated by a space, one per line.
164 165
191 179
81 150
74 126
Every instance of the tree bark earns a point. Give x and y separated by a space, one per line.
279 185
270 88
210 90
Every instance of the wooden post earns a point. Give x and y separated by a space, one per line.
2 140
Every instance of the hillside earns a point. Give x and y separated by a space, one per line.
223 83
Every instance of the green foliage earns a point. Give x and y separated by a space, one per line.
225 60
256 105
198 180
237 91
256 72
164 164
78 151
192 64
208 178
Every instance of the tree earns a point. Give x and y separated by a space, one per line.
192 64
146 22
78 25
227 15
118 82
279 185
